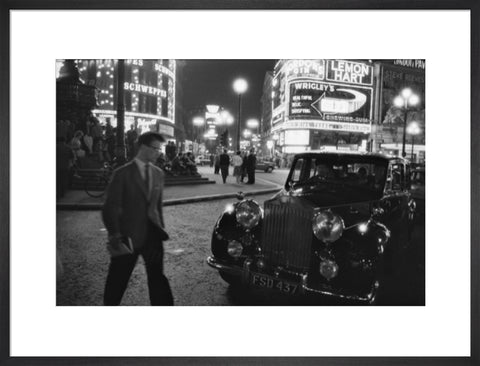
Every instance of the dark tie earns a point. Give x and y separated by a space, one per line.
147 177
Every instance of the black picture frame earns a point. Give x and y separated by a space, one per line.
7 6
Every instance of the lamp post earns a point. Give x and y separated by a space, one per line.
197 123
404 100
240 86
120 151
413 129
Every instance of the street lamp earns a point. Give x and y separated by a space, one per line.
240 86
413 129
197 123
404 100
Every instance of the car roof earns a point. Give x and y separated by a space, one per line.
339 154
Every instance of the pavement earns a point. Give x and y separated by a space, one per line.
174 195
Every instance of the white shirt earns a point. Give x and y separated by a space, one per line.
141 167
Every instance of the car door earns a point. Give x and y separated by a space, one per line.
395 200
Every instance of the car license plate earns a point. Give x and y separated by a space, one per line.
265 281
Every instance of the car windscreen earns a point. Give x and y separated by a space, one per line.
362 173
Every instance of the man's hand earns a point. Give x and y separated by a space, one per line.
114 240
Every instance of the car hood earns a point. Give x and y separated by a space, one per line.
351 211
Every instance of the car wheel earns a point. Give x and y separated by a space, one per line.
234 281
269 169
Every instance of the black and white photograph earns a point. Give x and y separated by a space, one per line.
240 182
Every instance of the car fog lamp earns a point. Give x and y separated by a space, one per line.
234 249
248 214
327 226
328 269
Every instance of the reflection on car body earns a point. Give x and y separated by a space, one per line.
331 230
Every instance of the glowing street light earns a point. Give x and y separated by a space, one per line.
252 123
240 86
413 129
404 100
198 122
247 133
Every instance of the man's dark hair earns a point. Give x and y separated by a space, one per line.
148 137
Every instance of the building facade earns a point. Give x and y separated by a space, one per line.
333 104
149 88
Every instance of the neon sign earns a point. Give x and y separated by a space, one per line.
349 72
146 89
329 101
295 68
164 70
418 64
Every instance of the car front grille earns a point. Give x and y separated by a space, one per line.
287 235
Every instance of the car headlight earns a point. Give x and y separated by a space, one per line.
248 214
327 226
234 248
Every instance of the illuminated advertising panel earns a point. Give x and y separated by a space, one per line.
297 137
349 72
304 68
310 99
149 95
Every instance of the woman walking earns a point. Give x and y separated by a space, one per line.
237 162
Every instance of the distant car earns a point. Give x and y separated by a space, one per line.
202 160
339 222
266 166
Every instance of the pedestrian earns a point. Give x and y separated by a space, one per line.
237 162
133 216
244 166
87 143
251 165
131 137
224 164
216 163
76 145
96 132
64 163
212 158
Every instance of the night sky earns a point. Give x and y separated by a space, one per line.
211 82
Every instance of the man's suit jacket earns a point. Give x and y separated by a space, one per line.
127 208
251 162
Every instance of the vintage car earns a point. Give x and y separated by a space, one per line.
339 221
202 160
265 165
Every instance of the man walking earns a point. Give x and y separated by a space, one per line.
224 163
251 165
133 216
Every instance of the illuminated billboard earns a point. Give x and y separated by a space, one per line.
329 102
323 94
149 96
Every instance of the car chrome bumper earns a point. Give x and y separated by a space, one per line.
244 273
